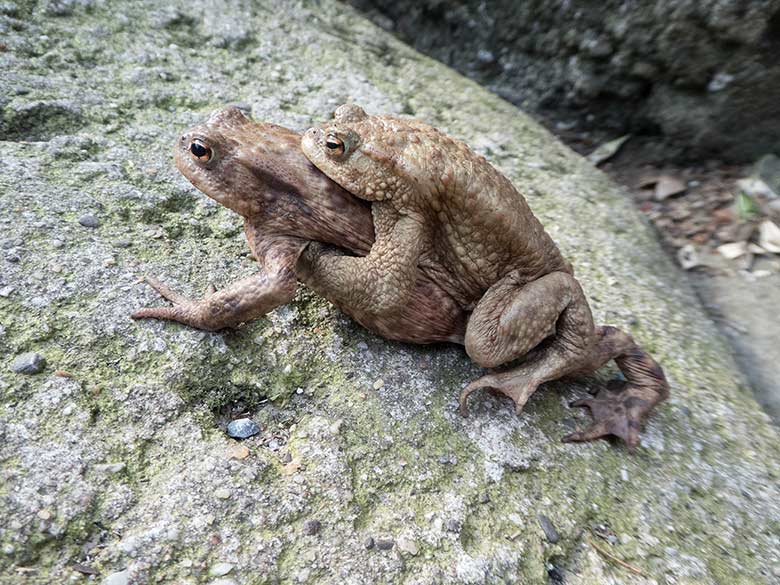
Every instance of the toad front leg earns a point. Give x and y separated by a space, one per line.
553 314
242 301
380 283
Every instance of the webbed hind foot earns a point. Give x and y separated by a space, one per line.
618 409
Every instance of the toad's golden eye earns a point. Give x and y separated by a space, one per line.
335 144
200 151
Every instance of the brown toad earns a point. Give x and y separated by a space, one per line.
442 210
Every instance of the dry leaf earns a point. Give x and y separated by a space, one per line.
724 215
733 250
292 467
769 236
756 249
753 187
238 451
607 150
688 257
646 181
667 186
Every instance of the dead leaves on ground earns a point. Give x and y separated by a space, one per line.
712 211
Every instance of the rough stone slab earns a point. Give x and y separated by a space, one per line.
100 92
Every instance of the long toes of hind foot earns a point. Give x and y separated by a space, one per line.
516 387
619 413
483 382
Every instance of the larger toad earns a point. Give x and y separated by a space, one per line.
440 208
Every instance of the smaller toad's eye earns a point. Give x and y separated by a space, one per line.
200 151
334 144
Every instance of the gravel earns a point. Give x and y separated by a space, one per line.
89 221
242 428
311 527
29 363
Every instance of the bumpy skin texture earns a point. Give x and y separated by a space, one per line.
442 210
437 245
259 171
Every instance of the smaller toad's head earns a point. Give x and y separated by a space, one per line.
364 154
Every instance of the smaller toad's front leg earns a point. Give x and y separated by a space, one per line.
241 301
377 284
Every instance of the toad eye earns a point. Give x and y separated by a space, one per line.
334 144
200 150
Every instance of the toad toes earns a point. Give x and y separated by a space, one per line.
441 209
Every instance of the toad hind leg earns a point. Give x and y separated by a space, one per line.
514 317
620 407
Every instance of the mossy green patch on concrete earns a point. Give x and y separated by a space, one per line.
129 452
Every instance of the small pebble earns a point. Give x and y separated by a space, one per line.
119 578
311 527
368 543
408 546
84 569
29 363
13 258
447 459
110 467
385 543
380 383
549 530
220 569
484 498
242 428
90 221
6 291
453 525
222 493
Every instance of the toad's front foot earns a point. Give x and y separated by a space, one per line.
237 303
183 309
618 409
516 386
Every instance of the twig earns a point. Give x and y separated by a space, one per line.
615 559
